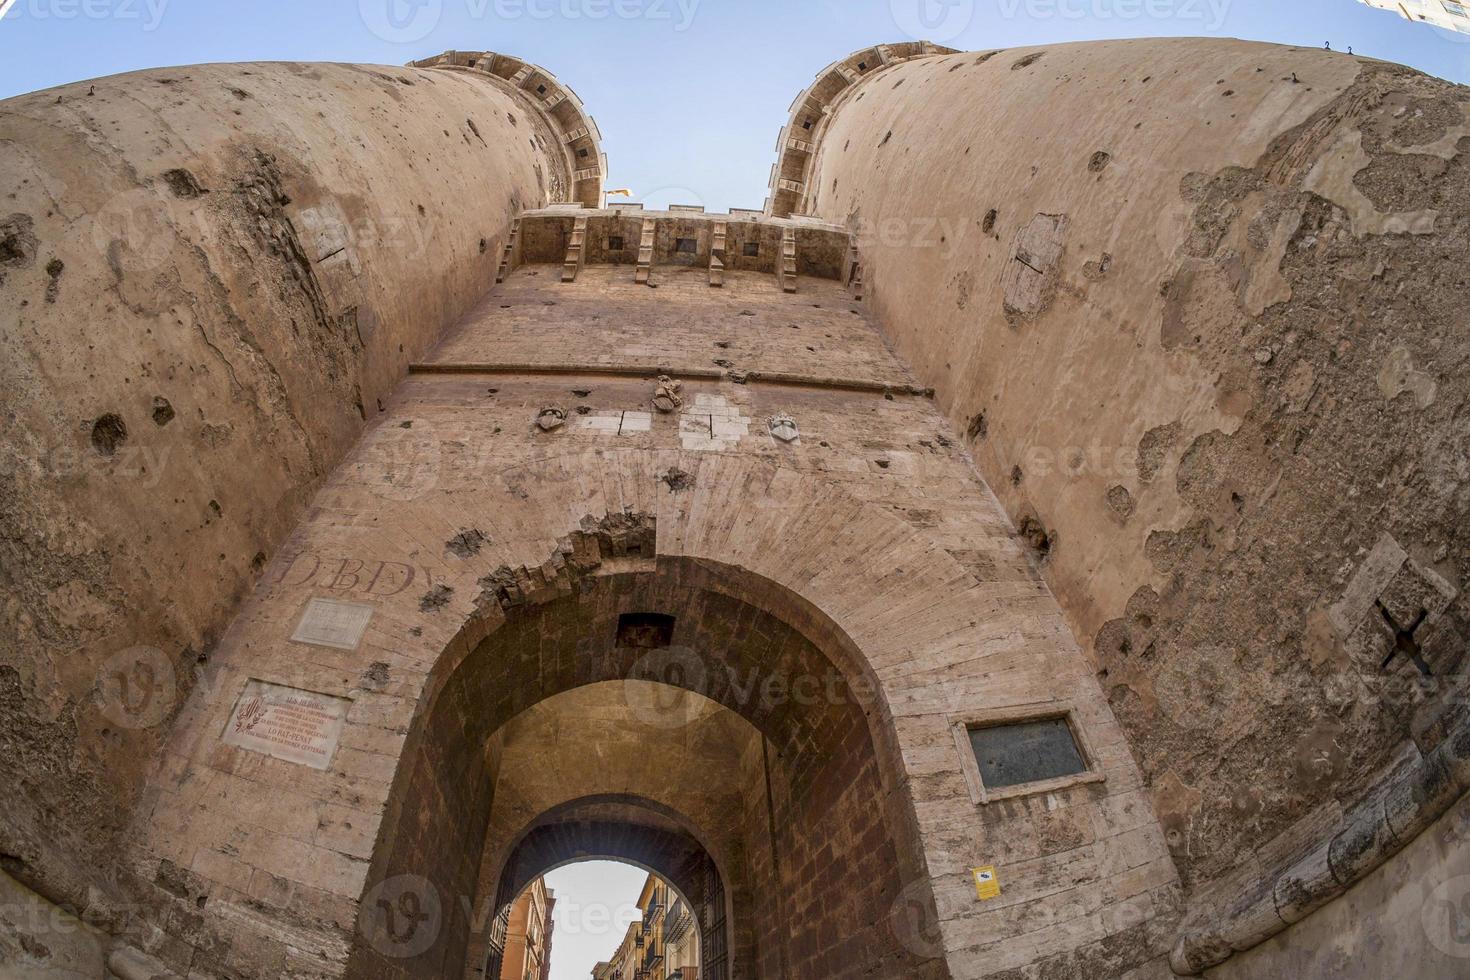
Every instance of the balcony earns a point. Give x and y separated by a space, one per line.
677 923
652 915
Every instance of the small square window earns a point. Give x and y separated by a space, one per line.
1015 752
862 66
584 153
615 243
540 89
806 124
645 631
686 245
752 249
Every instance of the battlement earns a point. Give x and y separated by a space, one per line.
576 129
683 237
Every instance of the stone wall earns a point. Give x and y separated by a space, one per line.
1190 307
211 279
864 553
1196 307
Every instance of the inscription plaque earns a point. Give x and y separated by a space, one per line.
298 726
333 623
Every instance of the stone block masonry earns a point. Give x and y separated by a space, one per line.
871 537
388 520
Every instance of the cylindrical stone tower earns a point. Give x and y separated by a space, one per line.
212 277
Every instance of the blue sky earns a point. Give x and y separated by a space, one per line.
689 94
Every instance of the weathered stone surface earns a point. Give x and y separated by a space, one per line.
207 247
1268 369
1208 360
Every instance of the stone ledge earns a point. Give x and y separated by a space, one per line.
1375 830
877 386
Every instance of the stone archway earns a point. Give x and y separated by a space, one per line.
630 831
628 757
820 793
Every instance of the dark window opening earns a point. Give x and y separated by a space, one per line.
583 153
1026 752
645 631
752 248
807 124
541 89
615 243
473 62
862 66
688 245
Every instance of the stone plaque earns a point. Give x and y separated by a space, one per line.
333 623
284 723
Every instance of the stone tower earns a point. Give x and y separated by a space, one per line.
1030 546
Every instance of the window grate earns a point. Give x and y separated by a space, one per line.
1026 752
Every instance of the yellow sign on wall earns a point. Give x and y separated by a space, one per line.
987 883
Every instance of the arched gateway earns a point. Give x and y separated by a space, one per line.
442 525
